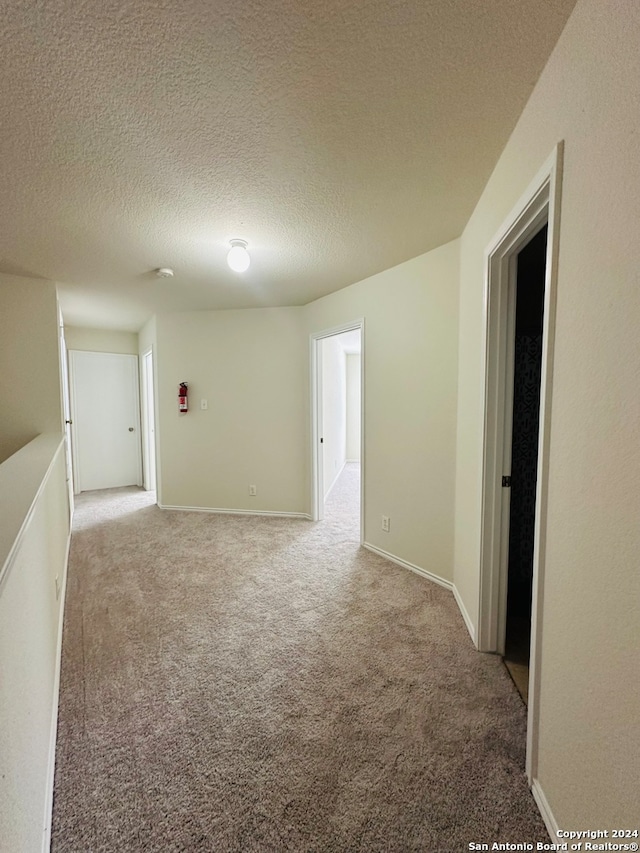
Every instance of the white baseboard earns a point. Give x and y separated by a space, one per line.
545 810
219 511
405 565
353 460
53 737
465 615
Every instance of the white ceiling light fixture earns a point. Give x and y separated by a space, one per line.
238 257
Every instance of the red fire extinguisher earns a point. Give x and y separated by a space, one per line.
183 403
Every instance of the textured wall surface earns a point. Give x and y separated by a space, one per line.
338 139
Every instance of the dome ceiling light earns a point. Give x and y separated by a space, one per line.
238 257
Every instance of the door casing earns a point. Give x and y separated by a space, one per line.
133 416
540 204
66 412
149 455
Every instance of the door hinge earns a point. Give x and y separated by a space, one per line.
506 482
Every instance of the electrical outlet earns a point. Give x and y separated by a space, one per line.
386 523
204 405
253 491
57 587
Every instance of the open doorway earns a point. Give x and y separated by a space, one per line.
527 375
337 369
532 227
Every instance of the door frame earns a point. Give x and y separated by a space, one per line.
149 444
317 485
539 205
73 353
66 413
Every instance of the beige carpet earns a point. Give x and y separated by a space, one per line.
232 683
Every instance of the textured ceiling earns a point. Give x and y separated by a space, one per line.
338 138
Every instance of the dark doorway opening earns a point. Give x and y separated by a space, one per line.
524 455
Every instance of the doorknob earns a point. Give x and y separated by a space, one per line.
130 429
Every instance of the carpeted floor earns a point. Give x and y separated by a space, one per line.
236 683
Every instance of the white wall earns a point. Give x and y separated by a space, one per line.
410 350
29 362
334 410
251 366
101 340
353 407
588 95
30 634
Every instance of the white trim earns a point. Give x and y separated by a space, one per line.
66 407
156 420
5 569
540 204
148 444
218 511
545 810
352 461
144 420
465 615
362 459
406 565
542 496
317 499
53 737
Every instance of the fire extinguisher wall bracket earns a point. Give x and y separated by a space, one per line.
183 398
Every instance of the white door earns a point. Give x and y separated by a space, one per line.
106 419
